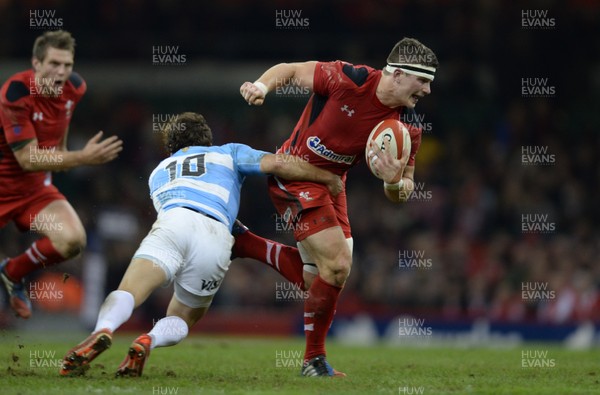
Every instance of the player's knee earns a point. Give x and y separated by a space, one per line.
340 270
340 274
71 244
75 246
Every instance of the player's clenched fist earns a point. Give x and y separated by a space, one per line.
97 152
253 94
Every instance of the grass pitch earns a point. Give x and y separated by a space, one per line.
224 365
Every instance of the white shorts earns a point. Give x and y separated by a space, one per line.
194 252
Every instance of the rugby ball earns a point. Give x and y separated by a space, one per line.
393 131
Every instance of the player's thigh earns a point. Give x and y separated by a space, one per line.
58 221
207 246
329 249
341 211
164 253
189 314
141 278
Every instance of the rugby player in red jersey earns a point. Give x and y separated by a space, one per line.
347 102
36 107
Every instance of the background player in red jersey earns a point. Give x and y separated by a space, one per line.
36 107
347 102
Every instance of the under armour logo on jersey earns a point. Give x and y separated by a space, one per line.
345 109
38 116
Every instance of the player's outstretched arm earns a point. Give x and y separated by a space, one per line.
295 169
282 74
96 152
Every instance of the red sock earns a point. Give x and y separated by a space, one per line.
40 254
282 258
319 308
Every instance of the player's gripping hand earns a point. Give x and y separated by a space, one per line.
97 152
252 94
336 185
387 166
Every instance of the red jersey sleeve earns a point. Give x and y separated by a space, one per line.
16 108
79 86
328 77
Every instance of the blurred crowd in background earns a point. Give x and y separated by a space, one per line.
478 191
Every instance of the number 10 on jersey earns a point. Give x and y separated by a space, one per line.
190 166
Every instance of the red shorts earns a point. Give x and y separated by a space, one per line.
23 209
309 207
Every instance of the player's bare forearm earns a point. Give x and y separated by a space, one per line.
282 74
31 157
34 158
399 189
400 195
294 168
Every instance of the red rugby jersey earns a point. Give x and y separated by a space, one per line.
338 118
26 115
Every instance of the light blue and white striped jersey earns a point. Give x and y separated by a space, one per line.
207 179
